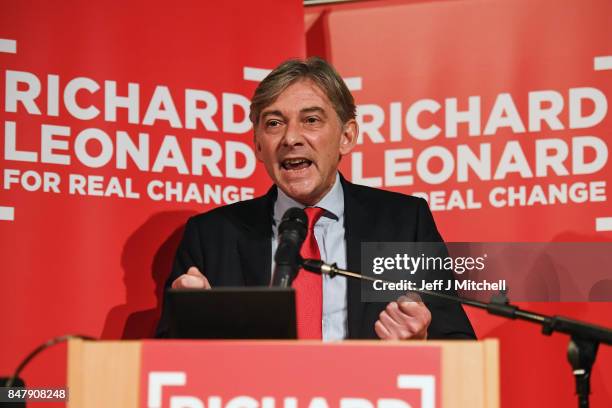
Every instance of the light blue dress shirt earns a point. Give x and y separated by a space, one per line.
329 233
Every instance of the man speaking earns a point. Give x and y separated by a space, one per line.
304 122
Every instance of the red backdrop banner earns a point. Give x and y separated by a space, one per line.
119 120
497 113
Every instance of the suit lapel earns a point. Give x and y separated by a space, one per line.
255 244
355 230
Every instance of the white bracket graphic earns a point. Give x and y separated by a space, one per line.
425 383
603 224
7 214
159 379
8 46
602 63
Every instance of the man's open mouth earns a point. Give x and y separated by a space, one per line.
295 164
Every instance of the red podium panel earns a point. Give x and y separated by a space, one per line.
283 374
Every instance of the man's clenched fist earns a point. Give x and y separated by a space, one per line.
408 318
193 279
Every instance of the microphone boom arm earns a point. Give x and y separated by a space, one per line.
584 337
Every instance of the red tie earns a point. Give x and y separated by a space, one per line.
308 285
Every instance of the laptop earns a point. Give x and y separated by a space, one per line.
232 313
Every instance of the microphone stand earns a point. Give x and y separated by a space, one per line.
584 337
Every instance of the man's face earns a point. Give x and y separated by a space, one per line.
300 140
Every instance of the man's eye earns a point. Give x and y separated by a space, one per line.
273 123
312 119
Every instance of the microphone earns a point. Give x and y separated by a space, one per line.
318 266
291 235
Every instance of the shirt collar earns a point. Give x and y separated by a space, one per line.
332 202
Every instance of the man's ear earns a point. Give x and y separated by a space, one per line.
348 138
257 145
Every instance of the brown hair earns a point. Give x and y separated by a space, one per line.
315 69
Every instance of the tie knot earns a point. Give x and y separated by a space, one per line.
313 214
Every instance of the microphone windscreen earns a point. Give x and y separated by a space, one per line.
295 214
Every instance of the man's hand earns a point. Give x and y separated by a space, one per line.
408 318
193 279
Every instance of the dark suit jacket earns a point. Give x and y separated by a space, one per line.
232 246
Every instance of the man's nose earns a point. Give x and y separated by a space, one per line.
293 134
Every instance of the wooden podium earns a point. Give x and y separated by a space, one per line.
112 373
